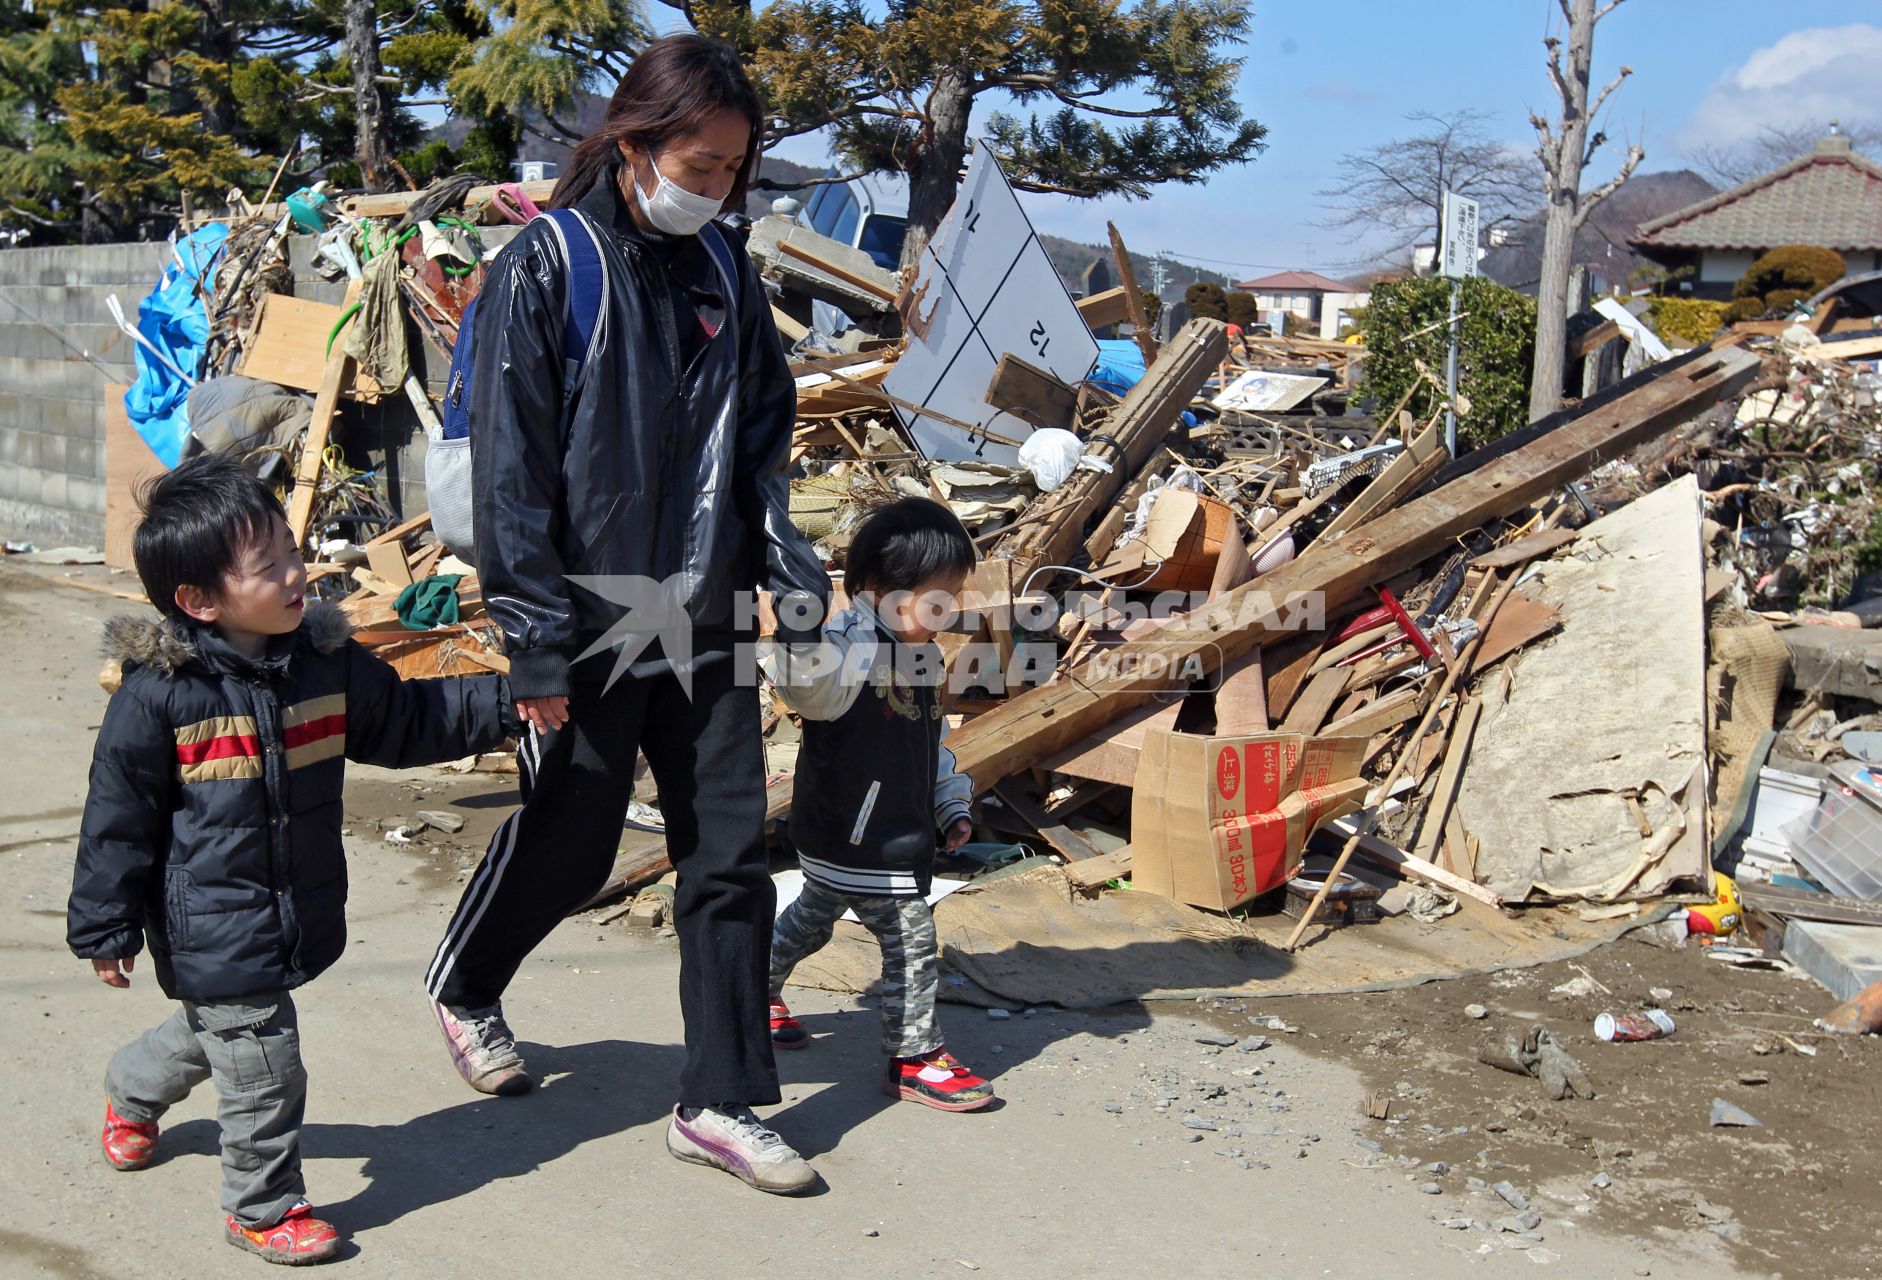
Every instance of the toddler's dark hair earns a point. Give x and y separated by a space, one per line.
906 544
197 522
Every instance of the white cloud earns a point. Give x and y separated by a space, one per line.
1810 76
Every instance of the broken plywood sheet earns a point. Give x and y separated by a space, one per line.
1588 779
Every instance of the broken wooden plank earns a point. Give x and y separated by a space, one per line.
1422 457
1094 873
314 441
1803 904
1241 700
1102 310
1031 394
1111 755
1141 331
1043 720
854 279
394 204
389 564
403 530
1310 710
1389 712
1444 791
1065 840
1387 854
1525 548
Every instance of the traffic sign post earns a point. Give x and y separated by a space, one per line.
1457 258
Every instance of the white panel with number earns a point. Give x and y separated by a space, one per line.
985 288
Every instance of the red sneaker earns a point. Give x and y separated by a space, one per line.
786 1032
127 1144
296 1241
938 1080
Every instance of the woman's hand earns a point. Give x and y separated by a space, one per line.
959 832
543 714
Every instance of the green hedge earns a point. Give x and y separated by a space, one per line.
1496 350
1694 320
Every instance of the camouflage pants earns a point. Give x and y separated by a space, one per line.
910 958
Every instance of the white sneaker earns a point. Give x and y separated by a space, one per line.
483 1049
733 1139
644 817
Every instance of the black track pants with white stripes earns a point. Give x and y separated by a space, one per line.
557 850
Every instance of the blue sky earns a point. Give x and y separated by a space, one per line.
1338 75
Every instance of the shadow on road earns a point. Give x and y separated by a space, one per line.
589 1091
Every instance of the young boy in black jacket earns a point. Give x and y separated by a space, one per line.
212 827
877 788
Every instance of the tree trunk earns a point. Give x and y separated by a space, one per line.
1558 240
934 172
369 97
219 42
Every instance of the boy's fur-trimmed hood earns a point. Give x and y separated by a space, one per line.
165 647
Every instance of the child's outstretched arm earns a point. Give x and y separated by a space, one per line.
822 679
123 836
401 723
953 795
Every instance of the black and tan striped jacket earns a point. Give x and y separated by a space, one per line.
212 824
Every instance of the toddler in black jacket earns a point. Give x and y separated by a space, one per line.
876 784
212 827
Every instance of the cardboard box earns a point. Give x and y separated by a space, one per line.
1216 821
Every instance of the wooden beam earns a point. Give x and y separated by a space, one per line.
1424 454
1389 712
848 277
1438 811
1043 720
314 442
1139 425
1309 711
1064 840
1102 310
1030 393
396 203
1134 300
1526 548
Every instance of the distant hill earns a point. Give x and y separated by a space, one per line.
1601 244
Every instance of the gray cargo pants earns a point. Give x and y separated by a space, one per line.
252 1050
910 958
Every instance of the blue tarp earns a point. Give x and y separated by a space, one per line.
1121 367
173 320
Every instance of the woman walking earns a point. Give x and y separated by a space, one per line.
651 458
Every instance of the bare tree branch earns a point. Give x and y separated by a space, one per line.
1589 199
1606 9
1611 86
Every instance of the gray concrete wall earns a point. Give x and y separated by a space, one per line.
52 451
52 463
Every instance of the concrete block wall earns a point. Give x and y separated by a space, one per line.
52 452
52 466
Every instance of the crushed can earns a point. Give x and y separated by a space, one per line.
1650 1025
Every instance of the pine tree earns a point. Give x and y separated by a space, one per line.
1089 97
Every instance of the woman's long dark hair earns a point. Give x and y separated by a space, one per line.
676 84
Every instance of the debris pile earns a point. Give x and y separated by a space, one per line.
1234 638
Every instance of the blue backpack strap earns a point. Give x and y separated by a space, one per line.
712 235
587 287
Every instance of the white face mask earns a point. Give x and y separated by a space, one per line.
672 208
